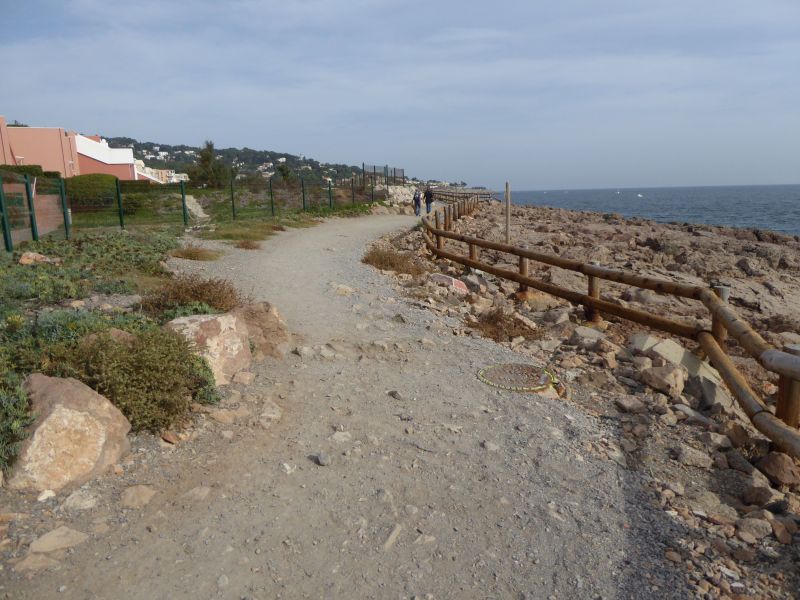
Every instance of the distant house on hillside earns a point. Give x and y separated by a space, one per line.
68 152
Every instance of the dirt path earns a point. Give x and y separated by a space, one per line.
445 489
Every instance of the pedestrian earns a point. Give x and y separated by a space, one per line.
417 201
428 199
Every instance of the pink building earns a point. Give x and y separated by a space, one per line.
67 152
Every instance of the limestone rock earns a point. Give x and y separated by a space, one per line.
79 500
77 435
669 379
34 258
780 468
757 528
451 283
715 441
585 337
221 339
35 562
630 404
693 458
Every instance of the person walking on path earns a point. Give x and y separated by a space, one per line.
417 202
428 199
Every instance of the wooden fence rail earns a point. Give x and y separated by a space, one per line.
780 427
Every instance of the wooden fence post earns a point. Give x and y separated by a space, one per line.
592 313
473 252
439 239
508 214
788 406
717 326
523 270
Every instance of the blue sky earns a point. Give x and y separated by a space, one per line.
569 94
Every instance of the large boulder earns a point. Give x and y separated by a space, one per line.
221 339
76 436
267 329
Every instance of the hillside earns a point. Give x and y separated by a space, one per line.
246 160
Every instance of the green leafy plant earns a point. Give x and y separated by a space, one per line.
151 379
14 418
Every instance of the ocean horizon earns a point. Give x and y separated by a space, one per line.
773 207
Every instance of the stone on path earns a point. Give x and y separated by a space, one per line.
77 435
451 283
35 562
323 460
58 539
221 339
79 500
137 496
669 379
630 404
585 337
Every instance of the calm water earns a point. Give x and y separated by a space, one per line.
775 207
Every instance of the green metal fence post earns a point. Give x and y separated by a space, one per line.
303 186
353 188
183 205
31 209
62 191
271 199
4 216
330 195
119 206
233 200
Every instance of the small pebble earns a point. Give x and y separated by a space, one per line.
323 460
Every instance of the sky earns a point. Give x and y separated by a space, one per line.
545 95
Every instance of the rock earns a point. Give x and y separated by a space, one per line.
736 433
630 404
76 436
490 446
692 416
780 468
669 379
749 267
713 397
322 459
343 290
35 562
691 457
198 494
760 494
451 283
642 342
79 500
642 362
539 301
476 283
267 330
45 496
228 416
585 337
137 496
118 335
34 258
58 539
342 437
244 377
780 532
170 436
673 556
221 339
756 528
715 441
270 412
556 316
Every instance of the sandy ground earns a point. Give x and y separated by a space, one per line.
446 489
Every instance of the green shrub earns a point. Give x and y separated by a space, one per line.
14 418
91 191
152 379
187 310
31 170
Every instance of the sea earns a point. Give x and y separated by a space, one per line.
773 207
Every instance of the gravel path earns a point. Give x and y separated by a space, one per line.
446 488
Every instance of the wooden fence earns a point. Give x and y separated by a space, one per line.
780 427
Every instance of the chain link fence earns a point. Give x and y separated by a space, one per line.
34 207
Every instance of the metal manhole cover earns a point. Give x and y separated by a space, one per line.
518 378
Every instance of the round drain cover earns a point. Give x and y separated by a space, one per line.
518 377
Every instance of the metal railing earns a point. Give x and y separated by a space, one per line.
780 427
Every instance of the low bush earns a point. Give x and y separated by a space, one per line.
392 260
184 290
151 379
187 310
192 252
14 418
248 245
501 326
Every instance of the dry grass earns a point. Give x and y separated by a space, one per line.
248 245
219 294
192 252
500 326
392 260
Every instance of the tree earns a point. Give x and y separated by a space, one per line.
209 170
284 172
